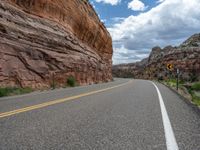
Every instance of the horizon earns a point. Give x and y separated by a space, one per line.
136 26
151 51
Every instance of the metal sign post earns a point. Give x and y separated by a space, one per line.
170 68
177 78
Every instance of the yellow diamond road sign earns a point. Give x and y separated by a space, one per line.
169 66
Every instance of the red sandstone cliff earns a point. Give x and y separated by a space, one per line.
39 38
185 57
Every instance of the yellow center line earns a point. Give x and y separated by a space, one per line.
53 102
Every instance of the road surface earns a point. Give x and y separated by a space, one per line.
121 115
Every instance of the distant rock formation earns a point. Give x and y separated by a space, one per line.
46 40
186 58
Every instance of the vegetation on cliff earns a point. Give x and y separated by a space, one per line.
51 41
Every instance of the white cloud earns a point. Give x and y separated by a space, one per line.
160 1
169 23
137 5
112 2
123 55
103 20
118 19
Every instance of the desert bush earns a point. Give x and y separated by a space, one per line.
71 81
14 91
196 86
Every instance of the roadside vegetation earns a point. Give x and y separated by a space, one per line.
10 91
71 81
192 88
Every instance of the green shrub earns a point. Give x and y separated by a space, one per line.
3 92
172 80
160 78
196 100
14 91
181 81
71 81
196 86
18 91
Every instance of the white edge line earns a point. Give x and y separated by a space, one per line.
169 134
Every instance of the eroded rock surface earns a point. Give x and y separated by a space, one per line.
185 57
46 40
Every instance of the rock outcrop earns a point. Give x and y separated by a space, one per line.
46 40
185 57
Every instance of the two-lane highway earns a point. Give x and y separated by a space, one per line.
120 115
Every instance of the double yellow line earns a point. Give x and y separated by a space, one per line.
29 108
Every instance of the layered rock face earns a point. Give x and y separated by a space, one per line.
46 40
186 58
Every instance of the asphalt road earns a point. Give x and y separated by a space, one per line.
120 115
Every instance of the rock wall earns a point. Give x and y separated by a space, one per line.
185 57
46 40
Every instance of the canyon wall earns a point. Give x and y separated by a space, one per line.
46 40
185 57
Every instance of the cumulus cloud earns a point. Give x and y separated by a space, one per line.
169 23
137 5
123 55
112 2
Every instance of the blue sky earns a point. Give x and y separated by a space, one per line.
138 25
110 13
